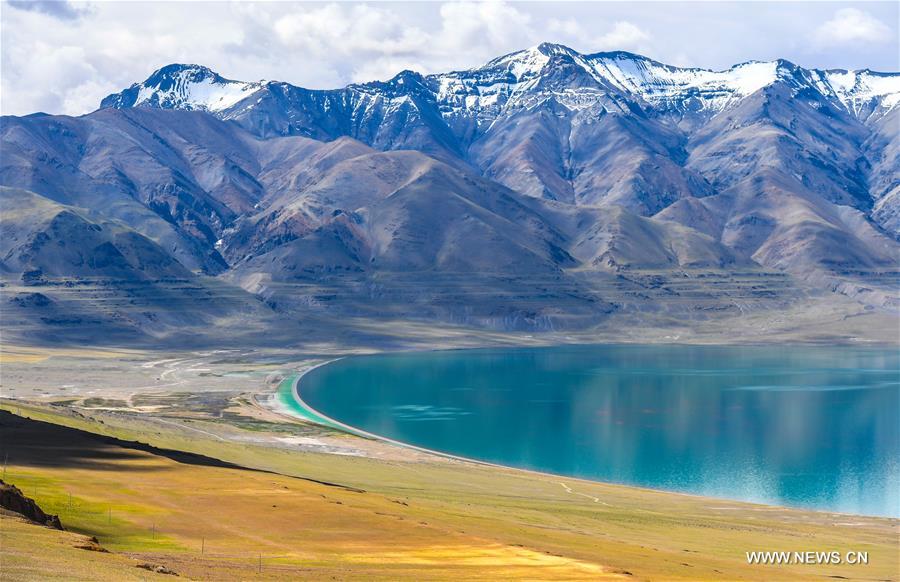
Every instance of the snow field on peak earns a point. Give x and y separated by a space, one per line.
656 82
205 94
856 88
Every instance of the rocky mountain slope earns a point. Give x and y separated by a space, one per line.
40 239
72 274
537 191
567 115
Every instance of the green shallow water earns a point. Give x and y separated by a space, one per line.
815 427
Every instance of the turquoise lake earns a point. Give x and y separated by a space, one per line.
811 427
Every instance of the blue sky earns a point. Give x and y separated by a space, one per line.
63 57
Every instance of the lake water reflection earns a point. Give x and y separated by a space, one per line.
815 427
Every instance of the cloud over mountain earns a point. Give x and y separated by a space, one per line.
851 25
61 59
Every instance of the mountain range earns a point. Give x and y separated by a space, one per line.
547 189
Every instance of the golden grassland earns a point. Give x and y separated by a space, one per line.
30 552
378 519
223 522
29 355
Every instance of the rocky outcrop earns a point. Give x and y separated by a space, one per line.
12 499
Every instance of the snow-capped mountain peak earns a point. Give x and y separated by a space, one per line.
521 65
610 81
666 86
862 92
180 86
528 63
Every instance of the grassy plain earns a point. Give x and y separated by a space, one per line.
376 517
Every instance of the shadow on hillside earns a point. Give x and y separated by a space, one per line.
33 443
28 442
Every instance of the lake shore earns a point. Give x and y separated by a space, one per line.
349 406
208 404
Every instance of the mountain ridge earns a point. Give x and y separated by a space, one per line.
659 111
547 189
526 64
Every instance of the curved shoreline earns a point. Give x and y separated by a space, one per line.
316 416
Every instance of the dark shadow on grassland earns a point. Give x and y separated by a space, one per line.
33 443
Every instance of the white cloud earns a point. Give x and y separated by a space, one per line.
63 58
346 29
851 26
480 25
623 35
375 44
568 27
58 8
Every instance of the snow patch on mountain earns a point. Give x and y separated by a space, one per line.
205 94
185 87
860 90
523 65
657 83
515 80
609 81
